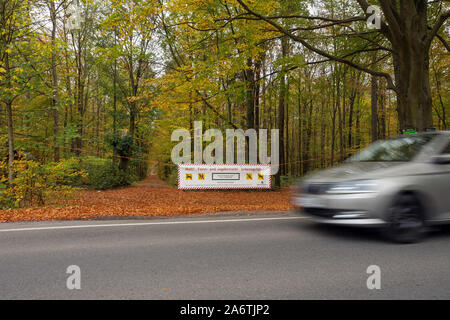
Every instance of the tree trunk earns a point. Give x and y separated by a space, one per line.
9 114
382 115
300 127
287 140
350 120
132 120
134 86
55 98
322 135
442 116
358 126
80 99
10 143
414 97
249 76
412 67
307 157
115 89
341 118
256 93
374 104
281 115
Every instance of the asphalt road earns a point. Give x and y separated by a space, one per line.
253 257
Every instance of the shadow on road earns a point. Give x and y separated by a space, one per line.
366 234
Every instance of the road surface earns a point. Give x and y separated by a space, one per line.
252 257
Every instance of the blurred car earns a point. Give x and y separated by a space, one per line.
401 185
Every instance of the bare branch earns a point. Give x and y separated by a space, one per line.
446 45
319 51
435 29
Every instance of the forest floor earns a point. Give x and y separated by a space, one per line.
150 198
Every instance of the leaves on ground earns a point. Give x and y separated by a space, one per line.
151 198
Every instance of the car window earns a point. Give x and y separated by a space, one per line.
403 149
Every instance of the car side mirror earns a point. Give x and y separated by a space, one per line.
442 159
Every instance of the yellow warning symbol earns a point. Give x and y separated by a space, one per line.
249 176
201 176
189 177
260 176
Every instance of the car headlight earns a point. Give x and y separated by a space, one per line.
351 187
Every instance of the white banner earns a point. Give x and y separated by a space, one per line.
194 177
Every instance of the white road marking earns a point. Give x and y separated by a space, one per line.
115 225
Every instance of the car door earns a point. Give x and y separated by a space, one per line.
442 187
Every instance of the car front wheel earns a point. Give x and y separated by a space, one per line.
406 223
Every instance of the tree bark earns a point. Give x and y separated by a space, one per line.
341 117
256 93
307 157
281 114
300 127
55 98
9 114
374 108
412 69
10 143
414 103
80 98
249 76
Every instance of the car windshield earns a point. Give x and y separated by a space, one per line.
403 149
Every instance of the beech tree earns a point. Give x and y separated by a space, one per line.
84 83
409 27
14 25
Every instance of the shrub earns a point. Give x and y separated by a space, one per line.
102 174
35 183
139 169
168 173
173 178
288 180
106 176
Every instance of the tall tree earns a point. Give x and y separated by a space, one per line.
55 81
14 22
409 27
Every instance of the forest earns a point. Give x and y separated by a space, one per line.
91 91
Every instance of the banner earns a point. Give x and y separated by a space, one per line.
197 177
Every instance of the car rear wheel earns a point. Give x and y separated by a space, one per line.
406 223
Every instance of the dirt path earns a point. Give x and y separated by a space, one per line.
151 198
152 181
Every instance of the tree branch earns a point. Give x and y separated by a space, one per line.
435 29
446 45
384 27
391 84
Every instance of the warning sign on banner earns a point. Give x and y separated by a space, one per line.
194 177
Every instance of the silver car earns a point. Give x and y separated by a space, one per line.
401 185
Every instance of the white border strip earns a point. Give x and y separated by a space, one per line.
112 225
218 187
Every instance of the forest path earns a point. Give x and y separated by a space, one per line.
152 181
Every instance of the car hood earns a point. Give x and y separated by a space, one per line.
356 171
